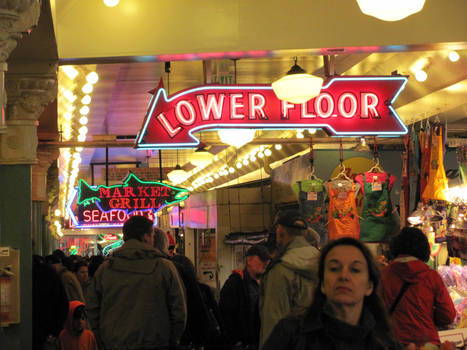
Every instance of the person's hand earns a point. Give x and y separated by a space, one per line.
447 345
383 261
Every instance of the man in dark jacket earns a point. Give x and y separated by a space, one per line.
136 298
239 301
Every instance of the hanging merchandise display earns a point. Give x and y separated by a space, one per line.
378 222
425 146
437 183
414 170
342 212
404 199
311 197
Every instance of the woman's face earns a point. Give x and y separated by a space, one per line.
346 280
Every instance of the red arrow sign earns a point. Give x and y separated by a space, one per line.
346 106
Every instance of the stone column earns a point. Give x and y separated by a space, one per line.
45 157
28 95
16 17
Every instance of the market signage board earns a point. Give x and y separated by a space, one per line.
346 106
111 206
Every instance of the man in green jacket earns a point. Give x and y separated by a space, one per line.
136 298
288 283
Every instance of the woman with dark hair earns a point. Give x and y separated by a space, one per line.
346 312
414 293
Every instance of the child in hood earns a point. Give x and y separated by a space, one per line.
75 335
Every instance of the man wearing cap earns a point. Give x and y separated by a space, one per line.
288 283
136 298
238 301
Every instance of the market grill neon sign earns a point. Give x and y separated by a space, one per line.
346 106
111 206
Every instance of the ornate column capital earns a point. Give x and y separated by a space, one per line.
16 17
45 157
28 94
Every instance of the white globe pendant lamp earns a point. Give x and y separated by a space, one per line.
177 175
390 10
236 137
297 86
201 157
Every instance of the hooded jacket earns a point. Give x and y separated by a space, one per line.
425 305
136 299
288 284
69 339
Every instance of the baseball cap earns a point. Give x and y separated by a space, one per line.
260 251
292 218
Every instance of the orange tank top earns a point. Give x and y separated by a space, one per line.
343 218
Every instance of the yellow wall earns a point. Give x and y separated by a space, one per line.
87 28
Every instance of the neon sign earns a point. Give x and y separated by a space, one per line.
346 106
111 206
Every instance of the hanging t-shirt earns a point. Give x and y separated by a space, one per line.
311 197
437 183
342 211
377 222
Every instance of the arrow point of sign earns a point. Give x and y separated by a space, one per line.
159 86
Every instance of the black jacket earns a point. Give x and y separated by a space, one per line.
324 332
241 320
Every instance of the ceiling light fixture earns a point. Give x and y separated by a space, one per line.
201 157
297 86
86 100
87 88
421 75
111 3
70 71
177 175
390 10
83 120
453 56
236 137
92 78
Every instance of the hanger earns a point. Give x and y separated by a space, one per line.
342 174
376 168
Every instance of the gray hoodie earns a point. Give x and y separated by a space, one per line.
288 284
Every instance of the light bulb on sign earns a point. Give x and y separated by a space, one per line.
278 147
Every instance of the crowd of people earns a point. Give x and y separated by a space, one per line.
288 295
